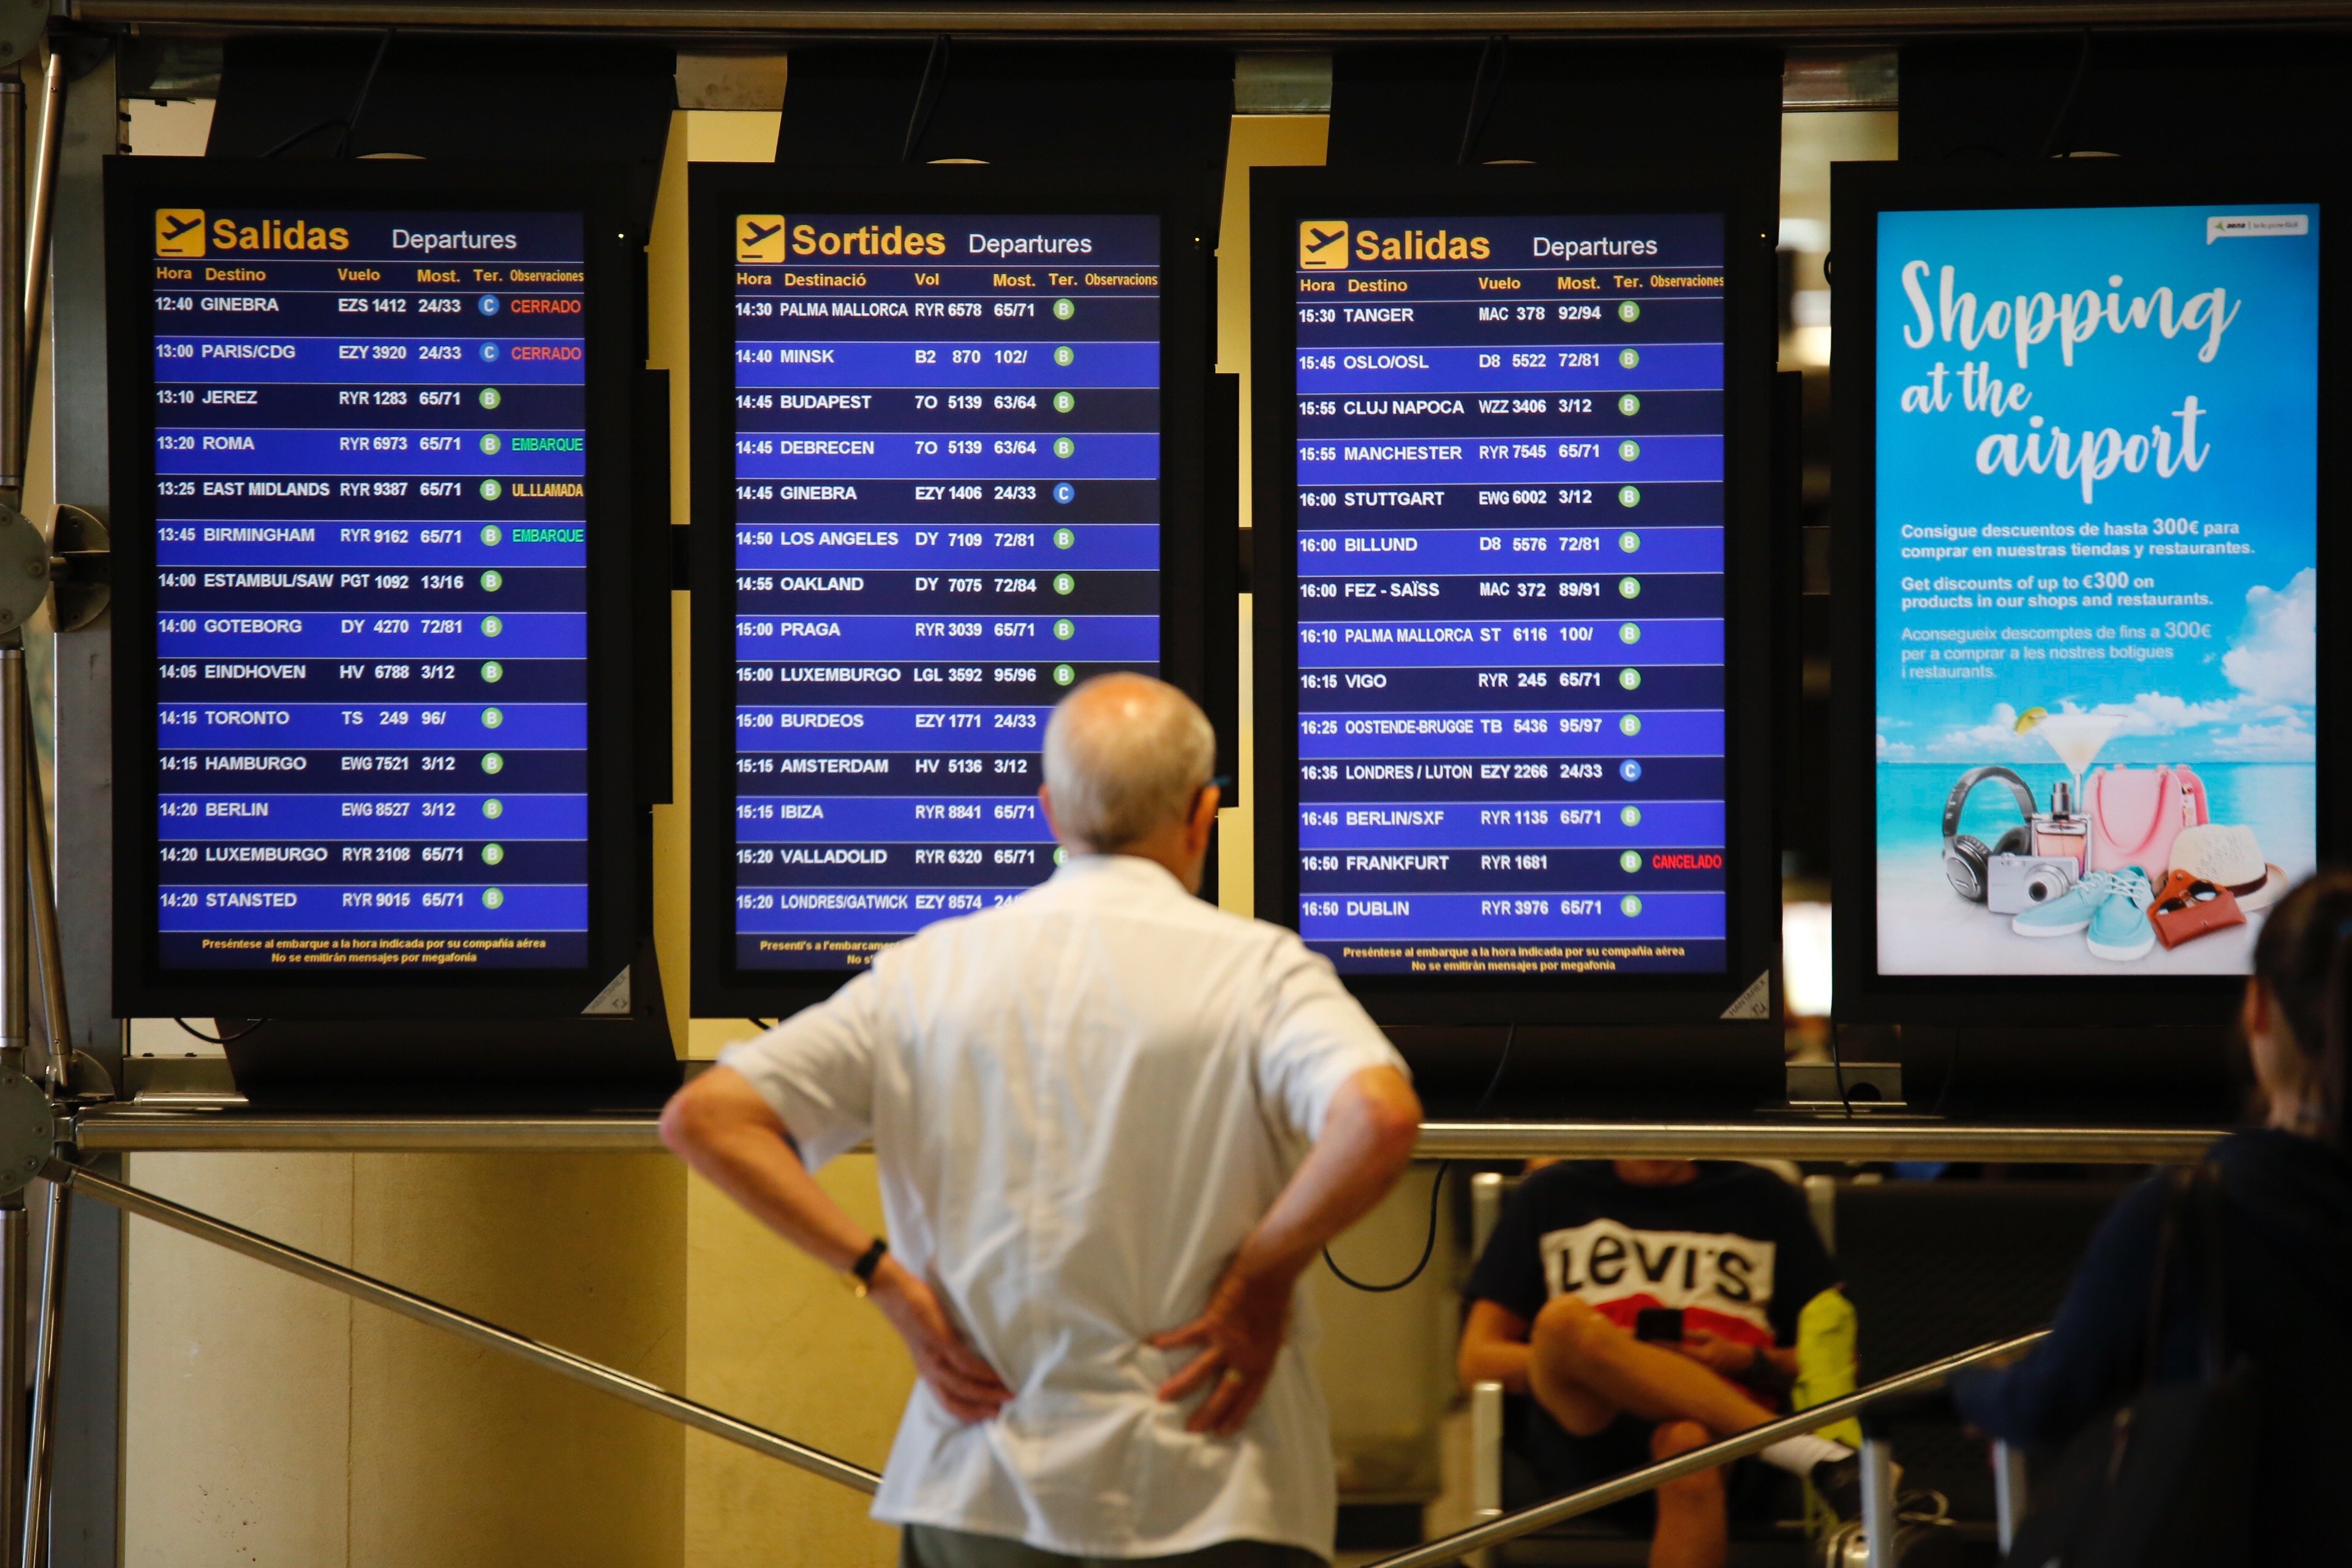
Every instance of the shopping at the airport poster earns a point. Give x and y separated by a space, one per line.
2096 568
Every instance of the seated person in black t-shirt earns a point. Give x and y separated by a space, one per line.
1580 1253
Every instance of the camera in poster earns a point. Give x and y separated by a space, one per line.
2096 585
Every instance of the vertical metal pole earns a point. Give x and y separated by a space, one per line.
44 202
1877 1502
52 1064
12 288
2009 1502
15 1296
15 884
1486 1209
40 1446
1486 1454
16 877
86 1494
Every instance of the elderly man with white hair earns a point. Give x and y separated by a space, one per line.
1113 1126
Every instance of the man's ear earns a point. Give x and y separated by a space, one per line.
1204 813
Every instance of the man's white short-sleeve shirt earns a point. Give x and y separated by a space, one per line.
1081 1102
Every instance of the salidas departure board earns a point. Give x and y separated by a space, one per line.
1510 593
947 512
1513 590
371 612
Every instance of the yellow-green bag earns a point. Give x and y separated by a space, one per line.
1827 1368
1826 1360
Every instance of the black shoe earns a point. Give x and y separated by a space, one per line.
1838 1483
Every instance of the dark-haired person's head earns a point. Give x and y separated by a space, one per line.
2295 1004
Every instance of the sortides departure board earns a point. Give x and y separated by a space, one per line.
371 683
1511 515
955 422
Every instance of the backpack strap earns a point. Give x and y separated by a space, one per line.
2168 1237
2188 1245
2215 1294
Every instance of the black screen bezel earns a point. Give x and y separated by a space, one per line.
722 987
611 308
1280 199
1859 192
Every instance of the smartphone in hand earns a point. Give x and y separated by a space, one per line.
1661 1325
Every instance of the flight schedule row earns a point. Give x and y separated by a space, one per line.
1510 595
947 507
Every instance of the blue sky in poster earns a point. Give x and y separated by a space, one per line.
2080 586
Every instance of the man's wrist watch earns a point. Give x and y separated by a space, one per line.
860 1279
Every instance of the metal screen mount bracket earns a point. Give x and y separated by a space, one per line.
28 1131
89 1079
22 22
1849 1086
613 1001
23 564
80 572
1756 1002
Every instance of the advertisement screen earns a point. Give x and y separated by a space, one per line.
371 611
1510 580
947 512
2096 537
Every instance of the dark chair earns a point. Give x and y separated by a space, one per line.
1936 1268
1619 1537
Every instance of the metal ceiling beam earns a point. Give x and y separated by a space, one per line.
1254 20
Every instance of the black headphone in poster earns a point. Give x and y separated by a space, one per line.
1964 856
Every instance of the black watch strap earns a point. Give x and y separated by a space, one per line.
868 1261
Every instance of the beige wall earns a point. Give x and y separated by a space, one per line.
272 1424
774 1338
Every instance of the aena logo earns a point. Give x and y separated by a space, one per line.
1322 247
179 231
759 236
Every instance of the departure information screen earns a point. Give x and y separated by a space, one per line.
947 512
371 623
1510 465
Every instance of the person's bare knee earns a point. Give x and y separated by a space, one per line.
1702 1490
1560 1338
1668 1439
1567 1326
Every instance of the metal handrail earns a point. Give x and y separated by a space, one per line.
595 1374
1868 1137
135 1127
1632 1483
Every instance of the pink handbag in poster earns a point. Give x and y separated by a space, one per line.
2136 813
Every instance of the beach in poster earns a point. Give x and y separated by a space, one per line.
2096 566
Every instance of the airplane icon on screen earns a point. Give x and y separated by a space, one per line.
179 231
1323 247
759 236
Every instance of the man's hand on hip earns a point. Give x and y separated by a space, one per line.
1241 1335
1367 1139
967 1386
